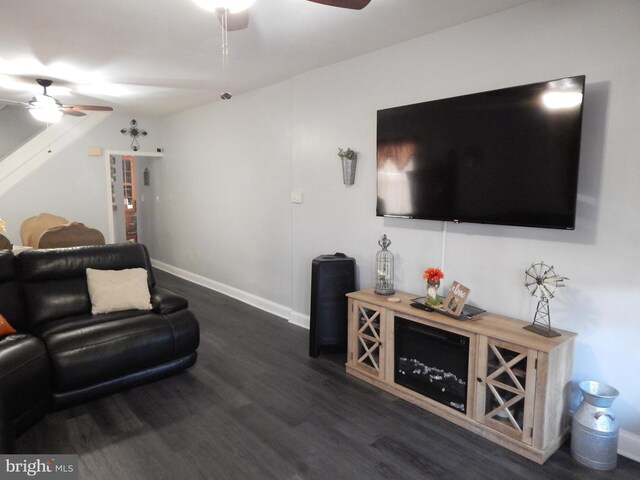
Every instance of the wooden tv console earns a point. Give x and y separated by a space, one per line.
518 386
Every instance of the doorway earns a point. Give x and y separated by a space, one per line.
124 198
130 194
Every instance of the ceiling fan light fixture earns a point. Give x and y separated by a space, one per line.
44 101
45 108
232 6
48 115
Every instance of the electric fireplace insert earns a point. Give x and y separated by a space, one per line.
432 362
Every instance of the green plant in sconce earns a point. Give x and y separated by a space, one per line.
348 154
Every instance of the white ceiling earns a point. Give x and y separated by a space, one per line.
153 57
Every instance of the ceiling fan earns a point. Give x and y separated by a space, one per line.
45 108
232 18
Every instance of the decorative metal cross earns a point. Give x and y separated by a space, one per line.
134 132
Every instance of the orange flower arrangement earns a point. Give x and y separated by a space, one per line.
433 275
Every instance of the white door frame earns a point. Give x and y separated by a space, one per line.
110 237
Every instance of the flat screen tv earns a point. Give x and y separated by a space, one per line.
506 157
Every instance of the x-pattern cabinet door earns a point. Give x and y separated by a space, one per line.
366 339
506 388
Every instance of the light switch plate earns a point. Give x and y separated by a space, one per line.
296 197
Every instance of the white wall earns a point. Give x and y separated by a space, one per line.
72 184
229 168
222 192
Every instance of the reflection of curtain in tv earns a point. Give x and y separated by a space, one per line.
395 162
394 188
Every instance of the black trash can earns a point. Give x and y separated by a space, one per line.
332 277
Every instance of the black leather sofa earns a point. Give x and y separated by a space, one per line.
62 354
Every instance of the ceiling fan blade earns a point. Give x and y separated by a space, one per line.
95 108
235 21
352 4
72 112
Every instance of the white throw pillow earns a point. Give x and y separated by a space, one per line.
116 290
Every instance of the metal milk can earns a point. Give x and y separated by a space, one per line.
594 430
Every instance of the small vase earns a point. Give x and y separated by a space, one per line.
432 293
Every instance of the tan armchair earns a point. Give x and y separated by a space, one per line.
52 231
33 227
71 234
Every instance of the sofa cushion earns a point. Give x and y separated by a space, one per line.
5 327
96 348
116 290
50 300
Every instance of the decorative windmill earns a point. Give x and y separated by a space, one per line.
542 282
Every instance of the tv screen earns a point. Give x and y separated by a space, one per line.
507 157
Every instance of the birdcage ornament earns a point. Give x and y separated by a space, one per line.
384 268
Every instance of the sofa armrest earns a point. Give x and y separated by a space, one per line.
164 301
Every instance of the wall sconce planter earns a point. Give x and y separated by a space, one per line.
349 161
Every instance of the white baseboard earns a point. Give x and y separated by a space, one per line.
629 445
269 306
300 319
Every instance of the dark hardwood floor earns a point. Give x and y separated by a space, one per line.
255 406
